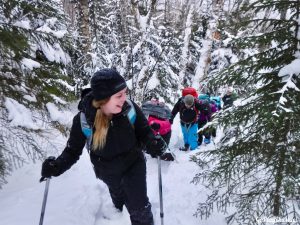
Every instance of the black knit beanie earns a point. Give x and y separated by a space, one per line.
106 82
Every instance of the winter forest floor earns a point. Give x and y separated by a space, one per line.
78 198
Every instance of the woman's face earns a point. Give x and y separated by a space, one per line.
115 103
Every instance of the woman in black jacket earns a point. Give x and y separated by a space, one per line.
116 148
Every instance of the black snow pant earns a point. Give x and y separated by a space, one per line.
129 188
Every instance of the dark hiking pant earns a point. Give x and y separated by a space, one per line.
129 188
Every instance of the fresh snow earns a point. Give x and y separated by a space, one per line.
290 69
30 64
78 198
18 114
58 115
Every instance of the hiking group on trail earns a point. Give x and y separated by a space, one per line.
195 112
116 132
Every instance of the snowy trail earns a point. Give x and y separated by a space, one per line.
78 198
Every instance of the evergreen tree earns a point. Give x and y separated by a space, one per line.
33 72
145 52
107 33
255 169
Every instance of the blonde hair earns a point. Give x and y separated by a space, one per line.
101 125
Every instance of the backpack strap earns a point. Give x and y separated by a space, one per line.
87 130
131 115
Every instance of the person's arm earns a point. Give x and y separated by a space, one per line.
224 98
175 110
75 145
143 131
71 153
144 134
204 107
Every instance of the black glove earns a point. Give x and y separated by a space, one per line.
50 168
171 120
156 147
167 157
155 126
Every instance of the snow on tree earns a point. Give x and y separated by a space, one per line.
33 72
254 171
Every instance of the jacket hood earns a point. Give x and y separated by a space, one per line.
85 106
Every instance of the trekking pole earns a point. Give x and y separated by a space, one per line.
158 136
168 150
44 199
160 191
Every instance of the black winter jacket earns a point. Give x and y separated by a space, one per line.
124 143
188 115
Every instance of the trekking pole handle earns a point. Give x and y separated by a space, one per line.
166 147
45 178
159 137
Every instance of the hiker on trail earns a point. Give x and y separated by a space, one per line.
229 98
158 115
116 145
204 118
188 108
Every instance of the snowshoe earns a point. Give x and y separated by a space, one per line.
185 148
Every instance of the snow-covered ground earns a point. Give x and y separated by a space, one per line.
78 198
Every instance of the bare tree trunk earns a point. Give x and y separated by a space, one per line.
123 6
151 10
212 39
166 10
136 13
69 10
185 49
83 22
298 25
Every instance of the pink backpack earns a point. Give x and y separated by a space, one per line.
165 125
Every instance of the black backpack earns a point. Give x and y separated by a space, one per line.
157 109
